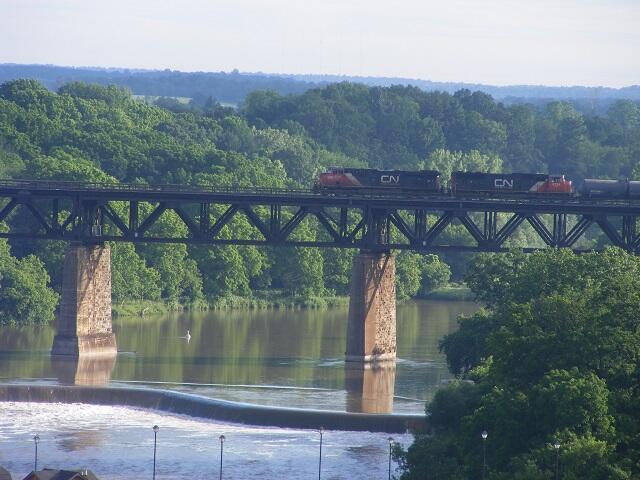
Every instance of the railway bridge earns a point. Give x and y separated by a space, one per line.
87 215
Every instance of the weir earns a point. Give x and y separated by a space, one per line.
84 323
371 328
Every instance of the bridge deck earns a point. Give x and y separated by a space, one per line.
347 219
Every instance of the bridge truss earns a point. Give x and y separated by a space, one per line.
94 213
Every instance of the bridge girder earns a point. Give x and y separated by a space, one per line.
94 214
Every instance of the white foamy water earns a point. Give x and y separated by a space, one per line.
117 443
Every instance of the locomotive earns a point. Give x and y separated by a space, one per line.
427 182
519 183
422 181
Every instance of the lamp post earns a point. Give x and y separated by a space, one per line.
36 439
222 439
321 431
556 445
155 443
484 436
390 439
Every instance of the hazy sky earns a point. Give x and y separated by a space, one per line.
552 42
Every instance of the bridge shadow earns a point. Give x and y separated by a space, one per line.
370 387
85 370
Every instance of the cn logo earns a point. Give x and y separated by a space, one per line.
503 183
389 179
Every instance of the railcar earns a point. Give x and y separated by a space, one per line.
610 188
422 181
509 183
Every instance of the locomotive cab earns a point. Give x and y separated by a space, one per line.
556 184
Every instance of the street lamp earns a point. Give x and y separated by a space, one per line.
484 436
556 445
321 431
222 439
155 442
36 439
390 439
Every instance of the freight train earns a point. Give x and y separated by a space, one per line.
427 182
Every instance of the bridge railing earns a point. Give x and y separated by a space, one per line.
68 186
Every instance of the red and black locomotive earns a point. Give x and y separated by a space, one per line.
427 182
519 183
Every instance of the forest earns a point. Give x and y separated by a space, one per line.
549 370
86 132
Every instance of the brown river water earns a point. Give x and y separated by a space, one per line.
291 358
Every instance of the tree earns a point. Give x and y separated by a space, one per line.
435 274
25 297
131 279
447 162
554 357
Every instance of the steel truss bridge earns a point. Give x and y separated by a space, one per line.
94 213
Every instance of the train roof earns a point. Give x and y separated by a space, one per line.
359 169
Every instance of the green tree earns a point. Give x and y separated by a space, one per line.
554 357
25 297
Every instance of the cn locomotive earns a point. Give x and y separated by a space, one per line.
427 182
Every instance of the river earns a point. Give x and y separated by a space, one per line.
291 358
271 357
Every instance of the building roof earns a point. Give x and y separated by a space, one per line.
4 474
51 474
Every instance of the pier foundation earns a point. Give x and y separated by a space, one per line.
84 322
371 329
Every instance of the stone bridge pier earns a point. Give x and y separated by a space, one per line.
84 322
371 329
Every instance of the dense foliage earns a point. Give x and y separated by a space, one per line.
401 127
24 294
555 356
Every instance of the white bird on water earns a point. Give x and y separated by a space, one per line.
187 336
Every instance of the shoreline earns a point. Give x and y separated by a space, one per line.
266 301
213 409
157 307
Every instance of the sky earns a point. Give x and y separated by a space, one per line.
498 42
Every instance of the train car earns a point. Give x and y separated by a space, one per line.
422 181
614 189
509 183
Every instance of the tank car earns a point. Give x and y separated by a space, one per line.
596 188
422 181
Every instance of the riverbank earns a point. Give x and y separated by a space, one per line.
264 300
453 292
261 301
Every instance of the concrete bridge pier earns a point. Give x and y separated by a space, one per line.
371 329
84 322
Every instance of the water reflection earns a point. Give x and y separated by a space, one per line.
370 387
75 440
290 358
94 370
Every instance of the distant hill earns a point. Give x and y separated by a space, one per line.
233 87
497 92
230 87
